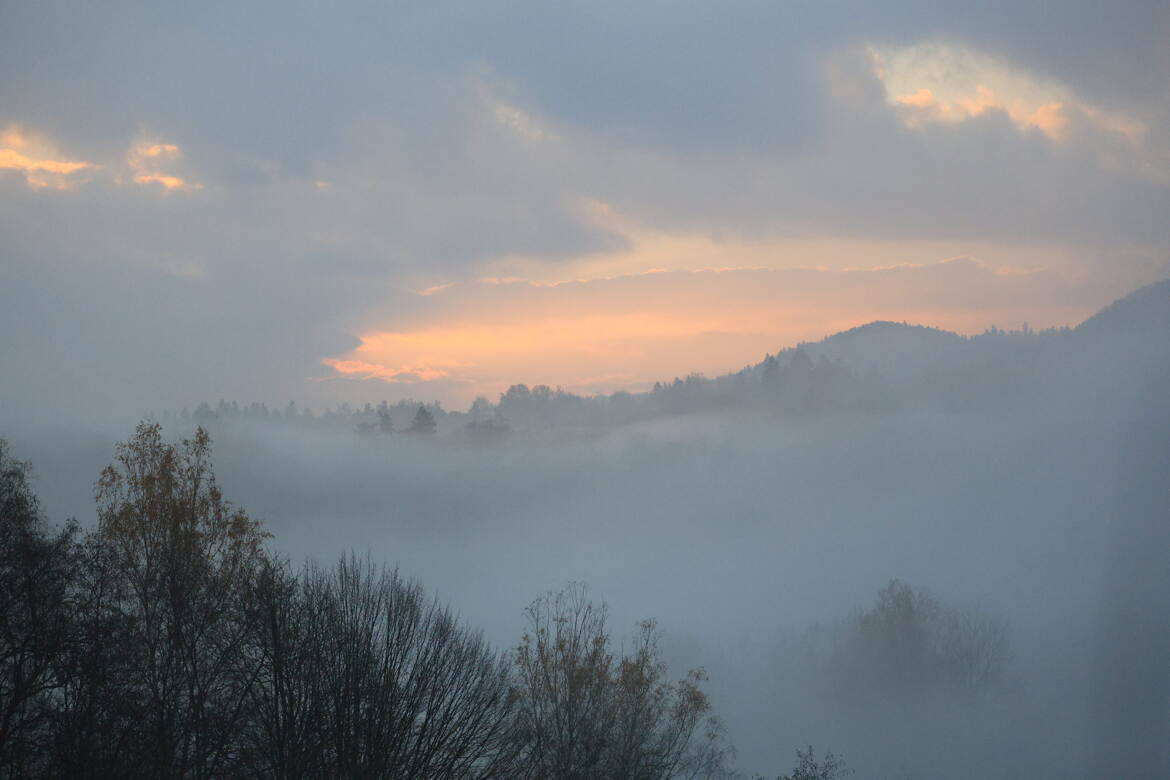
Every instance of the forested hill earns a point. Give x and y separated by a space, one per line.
1145 312
881 366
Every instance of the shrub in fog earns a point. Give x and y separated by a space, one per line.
908 638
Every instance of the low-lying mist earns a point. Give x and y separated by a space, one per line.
754 538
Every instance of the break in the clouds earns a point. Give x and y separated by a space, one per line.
625 332
938 82
215 201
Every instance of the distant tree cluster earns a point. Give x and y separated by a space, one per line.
170 642
369 419
908 640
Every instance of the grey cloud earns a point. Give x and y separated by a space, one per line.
740 120
1115 53
870 176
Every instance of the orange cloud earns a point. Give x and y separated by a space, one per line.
34 158
10 158
937 82
923 105
158 150
923 98
365 370
153 163
169 182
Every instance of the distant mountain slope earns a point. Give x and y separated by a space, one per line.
1146 311
928 366
899 347
885 345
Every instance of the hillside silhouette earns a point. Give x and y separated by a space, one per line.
879 366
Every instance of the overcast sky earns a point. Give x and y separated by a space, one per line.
325 202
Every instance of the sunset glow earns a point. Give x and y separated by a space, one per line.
629 331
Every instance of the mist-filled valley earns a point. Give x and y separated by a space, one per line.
585 390
934 556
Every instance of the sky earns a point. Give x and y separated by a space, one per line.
353 201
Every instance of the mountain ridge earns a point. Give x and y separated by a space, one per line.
877 365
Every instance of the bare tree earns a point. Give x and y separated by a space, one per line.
585 713
163 675
36 570
363 676
973 647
